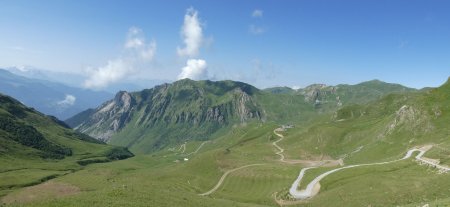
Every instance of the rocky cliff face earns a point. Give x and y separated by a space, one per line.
317 92
183 103
411 119
195 106
110 117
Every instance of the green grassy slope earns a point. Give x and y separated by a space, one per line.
164 179
383 128
35 147
380 131
280 90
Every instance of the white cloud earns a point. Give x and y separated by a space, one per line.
135 38
69 100
136 43
22 68
296 87
195 69
136 51
112 72
192 34
257 13
148 51
256 30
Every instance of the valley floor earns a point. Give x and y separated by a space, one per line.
251 166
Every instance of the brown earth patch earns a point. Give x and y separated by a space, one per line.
43 191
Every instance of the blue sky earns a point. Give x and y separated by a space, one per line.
289 42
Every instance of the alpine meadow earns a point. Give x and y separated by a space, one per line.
225 103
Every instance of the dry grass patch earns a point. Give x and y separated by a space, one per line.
44 191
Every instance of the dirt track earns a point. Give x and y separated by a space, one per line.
223 178
311 163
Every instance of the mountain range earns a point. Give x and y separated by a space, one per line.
152 119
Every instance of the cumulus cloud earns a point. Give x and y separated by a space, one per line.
148 52
69 100
135 38
195 69
192 34
256 30
257 13
136 51
136 43
112 72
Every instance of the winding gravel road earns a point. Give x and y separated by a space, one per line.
223 178
328 163
313 187
198 148
182 146
275 144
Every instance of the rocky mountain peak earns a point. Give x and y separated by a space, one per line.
207 105
123 99
110 117
314 92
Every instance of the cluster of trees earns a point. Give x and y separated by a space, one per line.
116 153
29 136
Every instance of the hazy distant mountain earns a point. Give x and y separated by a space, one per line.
50 97
77 80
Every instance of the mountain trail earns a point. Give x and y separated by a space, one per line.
198 148
223 178
326 163
183 146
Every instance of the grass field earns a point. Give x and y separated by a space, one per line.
160 180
